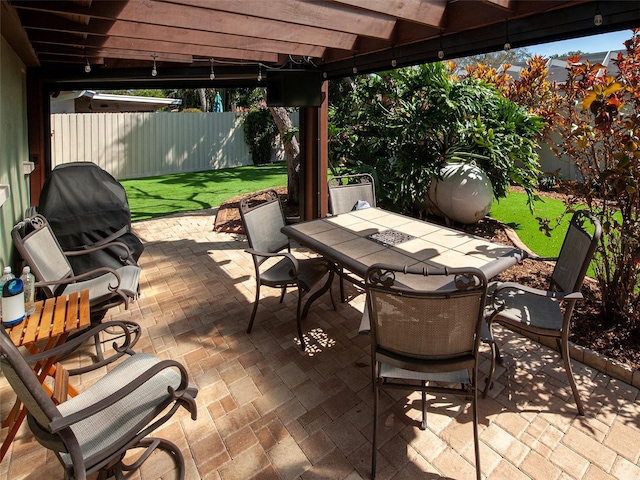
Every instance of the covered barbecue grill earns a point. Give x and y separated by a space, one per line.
86 206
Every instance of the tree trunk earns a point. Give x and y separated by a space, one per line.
291 152
204 103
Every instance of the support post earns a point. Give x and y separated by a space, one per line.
314 122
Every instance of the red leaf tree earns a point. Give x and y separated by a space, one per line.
599 123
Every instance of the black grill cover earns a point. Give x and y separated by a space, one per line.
85 205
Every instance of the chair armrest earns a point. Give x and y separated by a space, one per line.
76 341
86 249
84 276
287 255
536 291
180 394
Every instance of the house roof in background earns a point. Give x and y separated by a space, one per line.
238 39
557 67
90 101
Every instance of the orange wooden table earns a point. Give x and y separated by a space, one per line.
47 327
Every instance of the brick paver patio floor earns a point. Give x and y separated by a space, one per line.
266 410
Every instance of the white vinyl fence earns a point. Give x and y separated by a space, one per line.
134 145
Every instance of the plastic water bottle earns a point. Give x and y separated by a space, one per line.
6 276
29 282
12 302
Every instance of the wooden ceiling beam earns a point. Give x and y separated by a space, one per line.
311 13
16 36
426 12
194 19
190 37
132 30
507 5
159 47
71 52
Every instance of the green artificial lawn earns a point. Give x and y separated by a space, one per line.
514 211
153 197
166 194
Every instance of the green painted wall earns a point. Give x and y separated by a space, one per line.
13 146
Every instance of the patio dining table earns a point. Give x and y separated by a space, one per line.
360 238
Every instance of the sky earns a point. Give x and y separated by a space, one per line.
593 44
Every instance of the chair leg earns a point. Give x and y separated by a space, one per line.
564 351
255 308
374 440
423 424
333 303
282 294
489 380
342 297
474 408
150 444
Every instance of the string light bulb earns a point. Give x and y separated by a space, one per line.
441 51
87 67
597 19
154 70
507 45
212 75
259 72
394 64
354 69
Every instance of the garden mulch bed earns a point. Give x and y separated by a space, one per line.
228 216
589 329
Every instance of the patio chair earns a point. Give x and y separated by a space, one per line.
346 190
425 340
275 266
347 193
36 243
93 431
547 313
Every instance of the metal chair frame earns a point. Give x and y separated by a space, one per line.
93 431
428 337
275 265
547 313
344 192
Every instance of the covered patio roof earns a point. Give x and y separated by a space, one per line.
186 38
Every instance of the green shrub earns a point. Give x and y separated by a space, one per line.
405 124
260 132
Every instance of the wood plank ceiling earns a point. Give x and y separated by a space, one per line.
186 39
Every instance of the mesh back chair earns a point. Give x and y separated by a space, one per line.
108 287
345 191
92 431
275 266
38 246
548 313
426 340
344 194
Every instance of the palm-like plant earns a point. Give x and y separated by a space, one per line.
404 125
